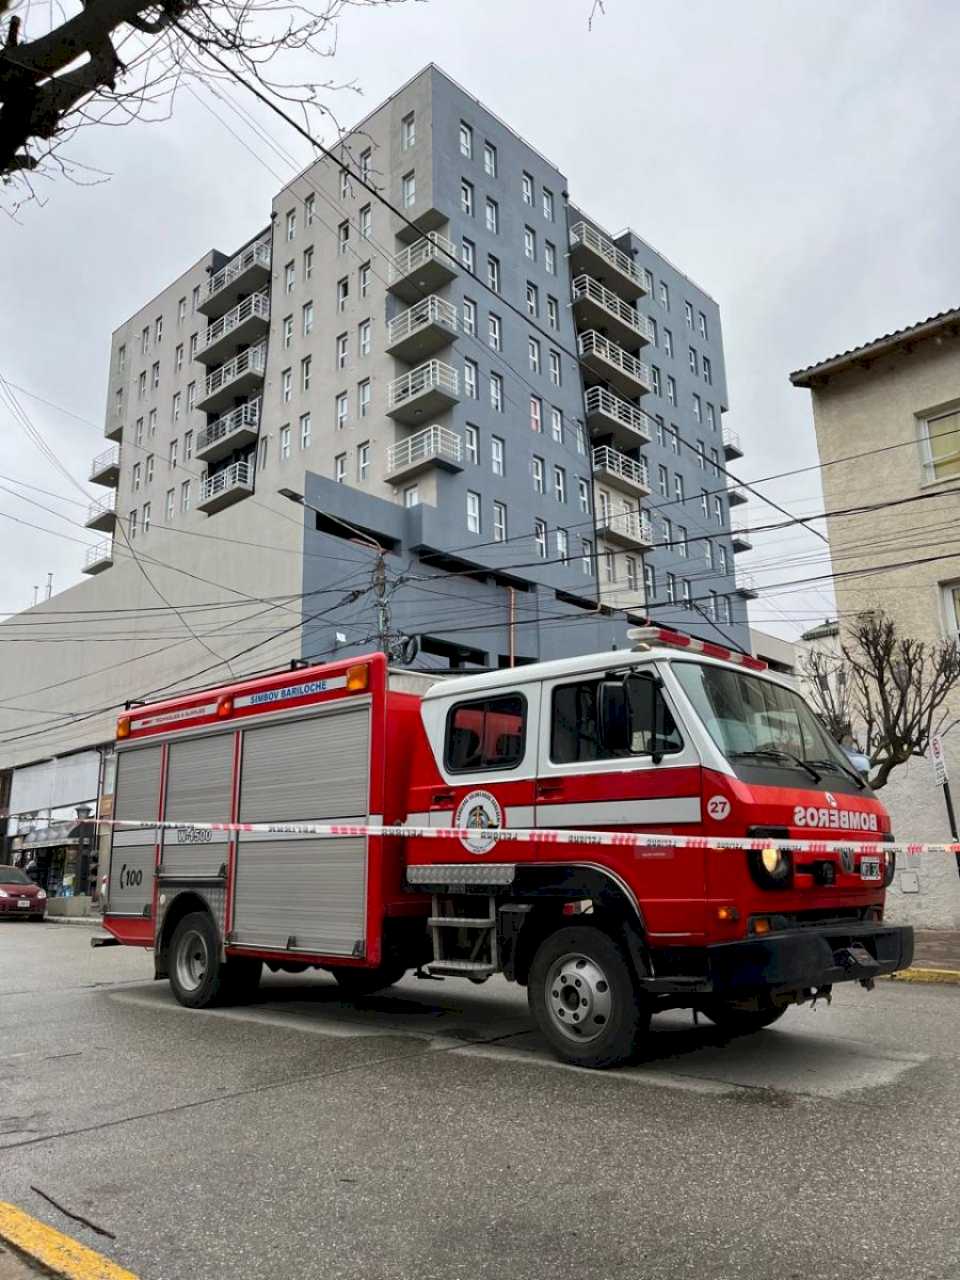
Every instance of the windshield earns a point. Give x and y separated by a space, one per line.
745 714
13 875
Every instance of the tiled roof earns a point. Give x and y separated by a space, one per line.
912 333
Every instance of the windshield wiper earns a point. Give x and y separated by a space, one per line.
771 754
841 768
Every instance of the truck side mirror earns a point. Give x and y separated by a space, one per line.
614 720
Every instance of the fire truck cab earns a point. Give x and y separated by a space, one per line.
674 738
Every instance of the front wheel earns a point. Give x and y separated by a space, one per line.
742 1022
584 998
199 978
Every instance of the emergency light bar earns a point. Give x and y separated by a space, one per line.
647 637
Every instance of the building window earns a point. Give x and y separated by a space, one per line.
344 182
649 582
715 461
342 350
496 455
711 417
469 317
175 408
340 468
408 131
152 423
191 396
537 472
697 408
363 398
707 371
185 492
343 409
343 293
692 360
145 340
305 431
468 254
493 273
471 438
536 414
489 159
132 526
560 484
122 355
586 556
146 517
674 440
466 198
187 453
610 566
667 533
290 276
194 339
408 189
363 277
363 461
633 581
671 588
195 299
262 453
496 392
363 337
170 504
530 244
466 141
494 332
686 597
678 486
708 552
365 221
702 324
548 204
286 385
722 560
553 313
473 512
563 546
555 368
688 314
583 496
493 216
138 434
137 476
366 160
156 375
667 342
309 208
411 496
671 389
292 224
499 522
533 300
307 320
173 454
655 379
664 296
527 185
540 538
718 510
556 424
285 443
287 332
940 446
307 265
178 357
533 355
470 379
663 482
550 257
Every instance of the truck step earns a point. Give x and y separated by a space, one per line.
457 968
461 922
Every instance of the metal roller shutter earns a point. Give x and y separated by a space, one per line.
132 853
305 770
138 783
200 779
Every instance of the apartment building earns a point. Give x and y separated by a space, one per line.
460 367
887 419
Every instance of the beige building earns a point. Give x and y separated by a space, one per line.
887 418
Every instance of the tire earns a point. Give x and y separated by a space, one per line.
741 1022
582 973
356 983
197 975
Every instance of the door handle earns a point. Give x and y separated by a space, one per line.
549 788
443 797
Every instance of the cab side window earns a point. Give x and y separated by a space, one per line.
575 733
486 734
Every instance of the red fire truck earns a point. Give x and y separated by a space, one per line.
676 739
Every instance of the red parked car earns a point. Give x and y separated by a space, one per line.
19 896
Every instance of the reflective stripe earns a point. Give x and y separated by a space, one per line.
620 813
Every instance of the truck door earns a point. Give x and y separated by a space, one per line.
585 783
133 850
300 892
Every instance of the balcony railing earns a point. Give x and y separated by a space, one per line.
586 237
627 526
247 365
225 432
255 255
254 307
602 304
423 267
98 557
611 361
434 383
105 468
102 515
226 486
746 585
432 314
731 444
612 412
615 463
435 444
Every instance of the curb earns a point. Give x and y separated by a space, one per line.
947 977
91 922
60 1255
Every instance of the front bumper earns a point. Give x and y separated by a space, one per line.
815 956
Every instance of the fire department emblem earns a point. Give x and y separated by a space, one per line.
480 810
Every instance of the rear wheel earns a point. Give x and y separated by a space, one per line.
364 982
742 1022
198 976
585 1000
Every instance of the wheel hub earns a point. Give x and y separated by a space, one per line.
192 960
578 997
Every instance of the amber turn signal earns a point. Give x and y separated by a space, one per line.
761 925
728 914
358 678
123 727
224 707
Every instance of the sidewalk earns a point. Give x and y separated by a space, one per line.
936 957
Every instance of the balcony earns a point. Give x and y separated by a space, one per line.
102 515
98 557
731 445
614 365
620 471
424 392
105 468
597 307
226 487
422 330
594 254
114 429
247 272
631 529
608 415
238 377
233 430
247 322
736 497
740 536
433 447
423 268
746 586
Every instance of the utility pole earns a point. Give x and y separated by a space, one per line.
383 607
939 758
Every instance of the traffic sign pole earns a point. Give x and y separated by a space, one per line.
939 758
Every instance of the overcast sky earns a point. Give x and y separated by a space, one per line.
798 160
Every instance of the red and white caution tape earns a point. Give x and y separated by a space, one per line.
540 835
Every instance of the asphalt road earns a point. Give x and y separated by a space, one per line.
428 1134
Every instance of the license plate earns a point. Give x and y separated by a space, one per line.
23 902
869 868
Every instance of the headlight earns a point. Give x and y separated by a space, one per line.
771 868
4 894
42 893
